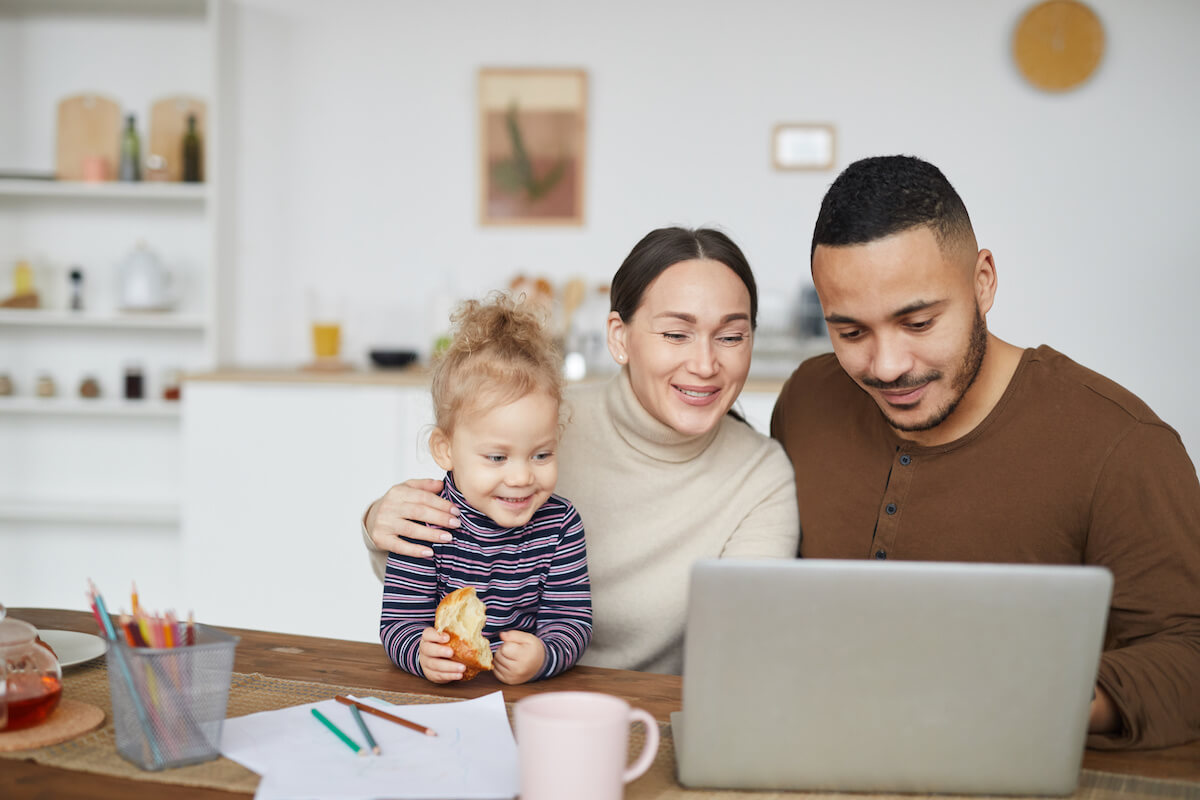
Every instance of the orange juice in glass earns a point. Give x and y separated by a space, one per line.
325 317
327 339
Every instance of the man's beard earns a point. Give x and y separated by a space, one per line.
971 364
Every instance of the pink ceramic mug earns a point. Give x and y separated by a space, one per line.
574 745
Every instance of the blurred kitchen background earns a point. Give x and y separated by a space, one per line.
340 144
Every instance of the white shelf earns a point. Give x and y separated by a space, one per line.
73 511
95 407
109 190
145 320
102 7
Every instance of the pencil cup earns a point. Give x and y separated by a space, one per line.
575 744
169 703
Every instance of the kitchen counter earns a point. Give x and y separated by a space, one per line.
409 376
280 466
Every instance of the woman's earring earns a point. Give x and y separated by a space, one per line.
621 358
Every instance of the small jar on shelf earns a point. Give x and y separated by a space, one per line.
135 388
171 390
45 386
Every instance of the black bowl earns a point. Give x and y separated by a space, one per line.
393 359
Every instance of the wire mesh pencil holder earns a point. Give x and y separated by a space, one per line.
169 703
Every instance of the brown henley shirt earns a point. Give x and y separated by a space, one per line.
1069 468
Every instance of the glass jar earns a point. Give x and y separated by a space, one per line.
134 386
45 386
30 674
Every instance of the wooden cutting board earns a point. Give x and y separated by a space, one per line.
88 125
168 124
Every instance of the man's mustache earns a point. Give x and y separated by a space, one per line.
903 382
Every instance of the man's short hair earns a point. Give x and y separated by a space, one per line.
876 197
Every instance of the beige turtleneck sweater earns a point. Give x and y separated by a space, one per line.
653 501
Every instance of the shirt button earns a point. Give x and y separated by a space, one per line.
905 459
890 508
880 554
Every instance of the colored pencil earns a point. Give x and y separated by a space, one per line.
91 598
346 701
131 635
337 732
190 636
119 655
140 620
366 732
174 633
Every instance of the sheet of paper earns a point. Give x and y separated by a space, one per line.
473 756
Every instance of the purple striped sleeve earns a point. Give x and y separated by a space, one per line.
409 604
564 621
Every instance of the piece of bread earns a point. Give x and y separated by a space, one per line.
462 615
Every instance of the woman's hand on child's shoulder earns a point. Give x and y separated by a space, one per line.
434 655
398 516
519 658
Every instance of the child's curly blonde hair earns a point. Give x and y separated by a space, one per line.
500 351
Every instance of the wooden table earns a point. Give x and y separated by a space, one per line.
363 664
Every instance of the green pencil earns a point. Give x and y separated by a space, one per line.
362 726
336 732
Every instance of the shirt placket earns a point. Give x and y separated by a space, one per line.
891 507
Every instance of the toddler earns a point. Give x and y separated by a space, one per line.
496 396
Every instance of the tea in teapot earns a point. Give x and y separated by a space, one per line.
30 677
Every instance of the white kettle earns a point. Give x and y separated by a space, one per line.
144 283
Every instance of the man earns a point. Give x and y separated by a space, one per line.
923 436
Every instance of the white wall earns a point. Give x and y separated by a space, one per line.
352 141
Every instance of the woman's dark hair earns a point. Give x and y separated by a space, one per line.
665 247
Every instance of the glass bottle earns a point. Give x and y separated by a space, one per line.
131 152
191 152
76 276
134 384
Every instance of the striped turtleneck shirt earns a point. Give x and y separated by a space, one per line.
533 578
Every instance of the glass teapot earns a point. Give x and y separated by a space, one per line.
30 677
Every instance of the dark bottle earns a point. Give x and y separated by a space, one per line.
191 152
131 152
76 289
133 383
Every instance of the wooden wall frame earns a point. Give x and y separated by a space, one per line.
803 146
532 146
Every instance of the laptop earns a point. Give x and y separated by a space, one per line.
889 677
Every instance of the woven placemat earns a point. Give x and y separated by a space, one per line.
97 752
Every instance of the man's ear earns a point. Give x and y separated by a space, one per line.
439 446
985 280
616 337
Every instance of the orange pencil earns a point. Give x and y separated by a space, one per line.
346 701
173 637
167 634
133 598
127 629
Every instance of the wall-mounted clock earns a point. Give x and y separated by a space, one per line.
1058 44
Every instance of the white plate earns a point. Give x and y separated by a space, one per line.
73 647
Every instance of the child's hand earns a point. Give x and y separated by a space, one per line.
434 656
519 658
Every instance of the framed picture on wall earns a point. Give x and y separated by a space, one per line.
802 146
532 146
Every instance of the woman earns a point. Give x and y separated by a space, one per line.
659 469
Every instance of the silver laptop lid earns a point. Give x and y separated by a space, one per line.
898 676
